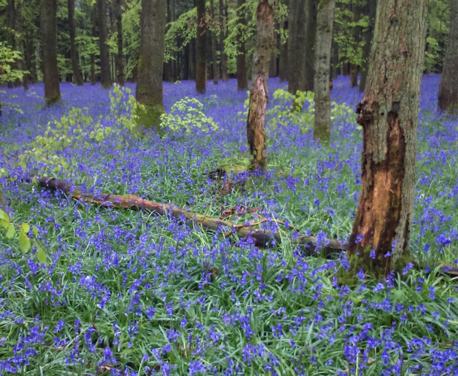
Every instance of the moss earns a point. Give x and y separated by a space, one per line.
149 116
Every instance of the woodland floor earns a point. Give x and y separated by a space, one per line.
127 292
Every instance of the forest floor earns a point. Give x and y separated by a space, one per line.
124 292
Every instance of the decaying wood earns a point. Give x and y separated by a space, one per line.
262 238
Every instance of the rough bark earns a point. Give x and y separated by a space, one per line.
48 26
151 62
448 91
388 114
74 55
325 20
105 71
201 48
258 94
242 80
370 9
297 40
119 59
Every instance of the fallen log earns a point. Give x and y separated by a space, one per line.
261 238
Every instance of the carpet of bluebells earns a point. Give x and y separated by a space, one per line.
132 293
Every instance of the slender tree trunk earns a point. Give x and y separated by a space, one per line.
242 80
325 20
370 9
151 62
119 59
105 72
48 25
258 94
388 115
448 91
311 26
74 56
223 35
201 48
283 58
213 37
297 40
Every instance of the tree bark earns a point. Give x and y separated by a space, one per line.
297 40
105 72
325 20
283 58
223 35
258 94
119 59
201 48
213 38
448 91
48 25
151 62
370 9
242 80
388 114
74 55
311 26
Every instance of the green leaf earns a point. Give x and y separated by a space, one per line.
11 231
25 228
41 254
4 216
35 231
24 242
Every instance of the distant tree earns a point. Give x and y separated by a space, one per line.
74 55
325 20
388 115
310 30
242 80
296 45
117 10
223 34
201 47
151 61
258 94
370 9
48 24
105 71
448 92
215 69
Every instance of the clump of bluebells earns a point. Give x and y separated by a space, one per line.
130 293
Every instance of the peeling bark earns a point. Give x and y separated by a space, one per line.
388 114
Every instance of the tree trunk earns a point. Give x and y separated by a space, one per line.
48 25
74 56
213 38
119 59
105 73
151 62
311 26
223 35
242 80
11 19
201 48
283 58
258 94
325 20
371 8
448 92
296 46
388 115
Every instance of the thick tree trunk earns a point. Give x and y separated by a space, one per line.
201 48
105 72
370 9
120 55
222 36
311 27
325 20
74 56
448 92
242 80
388 114
258 94
48 25
297 40
151 62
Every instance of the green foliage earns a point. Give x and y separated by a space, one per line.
180 33
187 115
438 27
19 235
8 58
